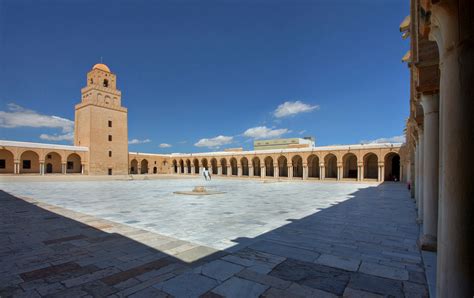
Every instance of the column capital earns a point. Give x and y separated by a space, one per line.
430 103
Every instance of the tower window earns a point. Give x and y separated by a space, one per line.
110 138
110 153
106 83
92 81
110 123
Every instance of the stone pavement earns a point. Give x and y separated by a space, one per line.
361 247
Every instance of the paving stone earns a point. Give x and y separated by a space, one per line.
50 288
304 291
313 275
279 293
150 292
264 279
374 284
220 270
417 277
187 285
383 271
89 277
285 251
48 271
351 293
413 290
338 262
237 287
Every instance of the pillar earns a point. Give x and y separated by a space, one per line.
239 171
193 169
179 170
82 169
339 172
430 169
455 38
420 176
382 173
276 172
305 172
219 170
322 172
41 168
229 171
251 172
64 168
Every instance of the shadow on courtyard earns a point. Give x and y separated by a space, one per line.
366 244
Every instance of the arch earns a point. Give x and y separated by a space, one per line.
155 170
188 166
330 165
214 166
134 166
181 166
256 166
313 166
7 165
196 166
269 166
29 162
244 163
52 160
175 166
392 167
349 166
297 162
224 166
282 166
233 166
371 166
74 163
205 164
144 166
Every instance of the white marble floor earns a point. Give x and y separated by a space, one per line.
246 210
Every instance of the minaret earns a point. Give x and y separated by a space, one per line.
101 123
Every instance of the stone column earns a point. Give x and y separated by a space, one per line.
239 171
229 171
382 173
430 169
219 171
290 172
263 171
64 168
420 176
82 169
192 170
179 170
322 172
41 168
251 172
305 172
454 33
276 172
339 172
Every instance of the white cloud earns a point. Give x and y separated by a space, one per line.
17 116
291 108
165 145
214 142
137 141
55 137
302 132
395 139
263 132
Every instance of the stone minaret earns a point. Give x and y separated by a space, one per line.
101 123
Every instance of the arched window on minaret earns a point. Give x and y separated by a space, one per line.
106 83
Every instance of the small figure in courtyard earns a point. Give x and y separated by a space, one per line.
205 173
209 175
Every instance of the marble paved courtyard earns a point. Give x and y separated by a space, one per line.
138 239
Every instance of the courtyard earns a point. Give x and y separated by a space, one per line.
275 239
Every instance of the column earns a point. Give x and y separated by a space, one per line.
41 168
420 176
239 171
430 168
276 172
456 208
379 175
339 171
179 170
250 171
290 172
64 168
263 172
322 172
219 170
192 170
305 172
229 171
82 169
382 173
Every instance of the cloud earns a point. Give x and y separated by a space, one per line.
137 141
214 142
395 139
164 145
291 108
302 132
263 132
17 116
55 137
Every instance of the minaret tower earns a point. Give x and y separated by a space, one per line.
101 123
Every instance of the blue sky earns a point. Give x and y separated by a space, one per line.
198 75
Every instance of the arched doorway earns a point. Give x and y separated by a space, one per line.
144 167
181 166
205 165
134 166
244 163
29 162
297 162
256 166
269 166
224 166
155 170
74 164
214 168
52 161
370 166
7 165
313 166
330 164
196 166
282 167
188 166
392 167
349 164
233 166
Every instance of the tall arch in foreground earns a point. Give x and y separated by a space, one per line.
392 167
74 163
